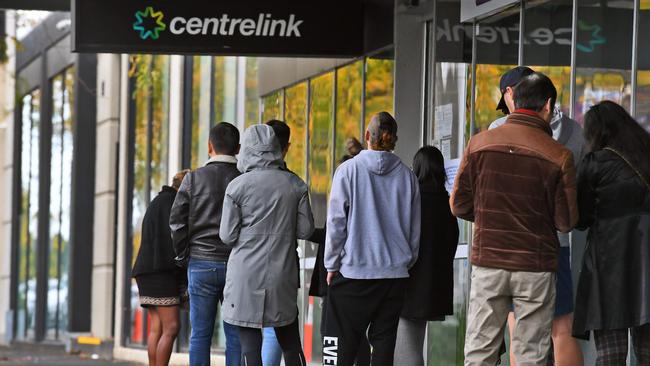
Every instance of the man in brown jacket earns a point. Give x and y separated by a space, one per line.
517 185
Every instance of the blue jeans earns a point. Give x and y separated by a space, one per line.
206 280
271 350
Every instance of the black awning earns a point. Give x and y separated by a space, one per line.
51 5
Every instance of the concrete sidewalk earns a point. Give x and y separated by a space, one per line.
54 355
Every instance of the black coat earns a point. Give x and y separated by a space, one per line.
318 286
430 288
196 213
156 252
614 283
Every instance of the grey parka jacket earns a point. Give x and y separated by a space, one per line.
265 210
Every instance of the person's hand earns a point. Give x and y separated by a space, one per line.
330 275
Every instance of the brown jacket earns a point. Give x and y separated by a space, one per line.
518 185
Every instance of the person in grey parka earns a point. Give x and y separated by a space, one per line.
265 210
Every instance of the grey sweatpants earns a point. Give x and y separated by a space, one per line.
409 349
492 291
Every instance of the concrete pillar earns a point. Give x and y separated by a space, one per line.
409 71
108 122
7 100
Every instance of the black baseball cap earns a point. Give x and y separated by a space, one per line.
510 79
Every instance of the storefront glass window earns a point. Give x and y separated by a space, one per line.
603 53
29 180
252 99
349 87
201 71
296 117
150 172
548 45
451 70
446 340
225 89
497 52
643 76
60 200
321 119
379 84
273 106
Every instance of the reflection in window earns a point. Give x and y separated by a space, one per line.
273 106
201 71
446 340
320 144
60 199
551 56
28 226
379 86
150 165
296 117
603 60
252 100
495 56
349 85
643 73
488 94
225 89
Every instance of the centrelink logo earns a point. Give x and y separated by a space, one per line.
149 23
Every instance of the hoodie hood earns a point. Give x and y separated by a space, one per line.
379 162
260 149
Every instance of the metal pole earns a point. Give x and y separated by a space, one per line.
472 101
522 27
635 52
574 43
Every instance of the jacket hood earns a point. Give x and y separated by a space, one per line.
260 149
379 162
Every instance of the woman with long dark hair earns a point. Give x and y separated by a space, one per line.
430 288
613 296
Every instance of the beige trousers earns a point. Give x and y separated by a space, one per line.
492 291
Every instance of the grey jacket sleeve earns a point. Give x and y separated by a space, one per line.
179 218
416 218
337 222
230 219
305 221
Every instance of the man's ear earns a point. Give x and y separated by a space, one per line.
548 107
210 148
367 137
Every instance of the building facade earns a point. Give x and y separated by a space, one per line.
89 139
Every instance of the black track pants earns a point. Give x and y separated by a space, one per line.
356 306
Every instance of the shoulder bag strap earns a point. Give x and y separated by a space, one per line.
647 185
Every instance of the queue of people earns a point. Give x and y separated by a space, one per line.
227 237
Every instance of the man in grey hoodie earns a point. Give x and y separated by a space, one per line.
373 238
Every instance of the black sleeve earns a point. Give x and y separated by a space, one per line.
586 191
318 236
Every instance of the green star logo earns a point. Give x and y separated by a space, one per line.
153 17
595 38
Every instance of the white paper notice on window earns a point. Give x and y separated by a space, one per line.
451 168
444 115
445 148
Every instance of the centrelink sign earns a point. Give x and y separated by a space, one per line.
242 27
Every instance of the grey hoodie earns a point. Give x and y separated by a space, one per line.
373 219
265 210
